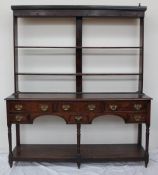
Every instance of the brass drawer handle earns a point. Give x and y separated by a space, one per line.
66 107
18 107
44 108
113 107
18 118
137 118
78 118
137 106
91 107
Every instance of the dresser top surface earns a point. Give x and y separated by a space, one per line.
78 97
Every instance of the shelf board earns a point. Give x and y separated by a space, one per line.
111 47
73 47
89 152
45 152
112 152
80 74
78 7
45 47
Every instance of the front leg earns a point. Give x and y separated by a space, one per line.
147 145
10 157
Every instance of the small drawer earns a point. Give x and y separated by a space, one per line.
66 107
125 106
17 107
18 118
73 119
30 106
95 107
136 118
42 107
81 107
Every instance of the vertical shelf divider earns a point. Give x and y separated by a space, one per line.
79 54
78 78
15 43
141 56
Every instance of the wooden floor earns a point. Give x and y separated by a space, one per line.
89 153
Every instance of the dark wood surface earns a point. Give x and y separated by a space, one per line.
77 7
78 96
89 152
73 47
74 112
78 54
80 11
80 74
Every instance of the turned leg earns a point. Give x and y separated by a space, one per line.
10 157
139 134
78 144
17 134
147 145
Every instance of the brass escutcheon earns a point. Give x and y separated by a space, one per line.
18 118
66 107
91 107
137 118
137 106
44 108
113 107
18 107
78 118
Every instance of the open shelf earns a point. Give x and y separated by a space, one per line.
110 152
80 74
45 152
77 47
45 47
89 152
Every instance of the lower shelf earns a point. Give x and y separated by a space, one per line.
89 153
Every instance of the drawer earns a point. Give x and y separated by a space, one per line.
136 118
17 106
92 107
42 107
66 107
126 106
18 118
81 107
74 118
30 106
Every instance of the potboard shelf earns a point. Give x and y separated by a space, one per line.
89 152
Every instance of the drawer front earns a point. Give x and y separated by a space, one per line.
126 106
18 118
77 118
92 107
42 107
66 107
136 118
17 106
29 106
80 107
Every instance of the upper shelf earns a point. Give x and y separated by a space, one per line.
77 7
76 47
78 11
